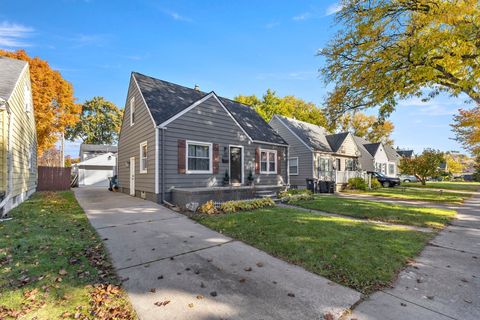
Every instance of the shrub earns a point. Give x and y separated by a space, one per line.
208 208
375 184
357 184
246 205
292 192
297 197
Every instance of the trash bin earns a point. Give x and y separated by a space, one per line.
323 187
331 187
311 185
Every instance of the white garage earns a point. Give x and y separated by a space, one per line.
96 171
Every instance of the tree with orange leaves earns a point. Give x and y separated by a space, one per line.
53 101
467 128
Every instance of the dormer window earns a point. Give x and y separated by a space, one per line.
132 111
28 98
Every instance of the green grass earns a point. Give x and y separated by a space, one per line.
454 185
52 264
361 255
416 194
380 211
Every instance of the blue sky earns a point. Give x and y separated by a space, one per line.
231 47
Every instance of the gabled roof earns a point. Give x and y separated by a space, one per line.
372 147
405 153
165 100
106 159
336 140
98 147
366 158
10 71
392 154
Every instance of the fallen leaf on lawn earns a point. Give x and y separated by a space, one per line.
162 303
63 272
190 305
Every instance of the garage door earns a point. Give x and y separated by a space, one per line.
95 177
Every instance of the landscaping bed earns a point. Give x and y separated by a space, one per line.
360 255
53 264
380 211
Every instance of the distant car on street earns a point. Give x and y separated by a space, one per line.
384 180
407 178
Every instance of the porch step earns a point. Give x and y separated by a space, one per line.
265 194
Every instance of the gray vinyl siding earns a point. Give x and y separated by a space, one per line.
129 144
210 123
297 149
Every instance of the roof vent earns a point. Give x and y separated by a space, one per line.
197 87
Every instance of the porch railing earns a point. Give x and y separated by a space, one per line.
344 176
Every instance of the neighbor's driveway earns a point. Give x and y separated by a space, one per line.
167 257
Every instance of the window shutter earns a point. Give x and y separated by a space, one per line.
181 156
279 163
216 158
257 160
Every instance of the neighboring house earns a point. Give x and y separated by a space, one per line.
96 171
315 154
88 151
18 141
183 145
380 158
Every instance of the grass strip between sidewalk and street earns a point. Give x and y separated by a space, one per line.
447 185
54 266
361 255
380 211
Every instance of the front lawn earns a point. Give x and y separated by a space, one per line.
361 255
454 185
53 265
416 194
380 211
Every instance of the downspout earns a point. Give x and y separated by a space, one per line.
4 107
288 166
163 165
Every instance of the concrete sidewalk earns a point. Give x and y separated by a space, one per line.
443 283
164 256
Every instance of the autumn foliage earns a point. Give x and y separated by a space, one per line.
53 100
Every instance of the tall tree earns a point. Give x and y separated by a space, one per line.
368 127
288 106
53 101
394 49
99 123
422 166
467 129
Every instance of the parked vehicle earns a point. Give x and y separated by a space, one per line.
407 178
384 180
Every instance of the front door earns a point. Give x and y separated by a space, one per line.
132 176
236 165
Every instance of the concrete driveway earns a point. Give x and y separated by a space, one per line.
164 256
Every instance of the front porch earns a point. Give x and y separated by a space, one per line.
181 197
340 178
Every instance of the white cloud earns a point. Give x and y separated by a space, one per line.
333 8
434 108
176 16
303 16
14 35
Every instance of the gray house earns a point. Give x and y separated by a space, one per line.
183 145
316 154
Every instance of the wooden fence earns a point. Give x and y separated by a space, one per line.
53 178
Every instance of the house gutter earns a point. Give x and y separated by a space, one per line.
4 108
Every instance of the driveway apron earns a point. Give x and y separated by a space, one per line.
175 268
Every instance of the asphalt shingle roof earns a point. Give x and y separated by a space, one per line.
405 153
372 147
366 158
166 99
10 70
336 140
312 135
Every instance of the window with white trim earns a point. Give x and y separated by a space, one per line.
199 157
349 165
28 98
268 161
132 111
293 166
143 157
391 169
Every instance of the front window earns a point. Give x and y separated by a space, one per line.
391 169
323 164
349 165
268 161
293 166
143 157
199 157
